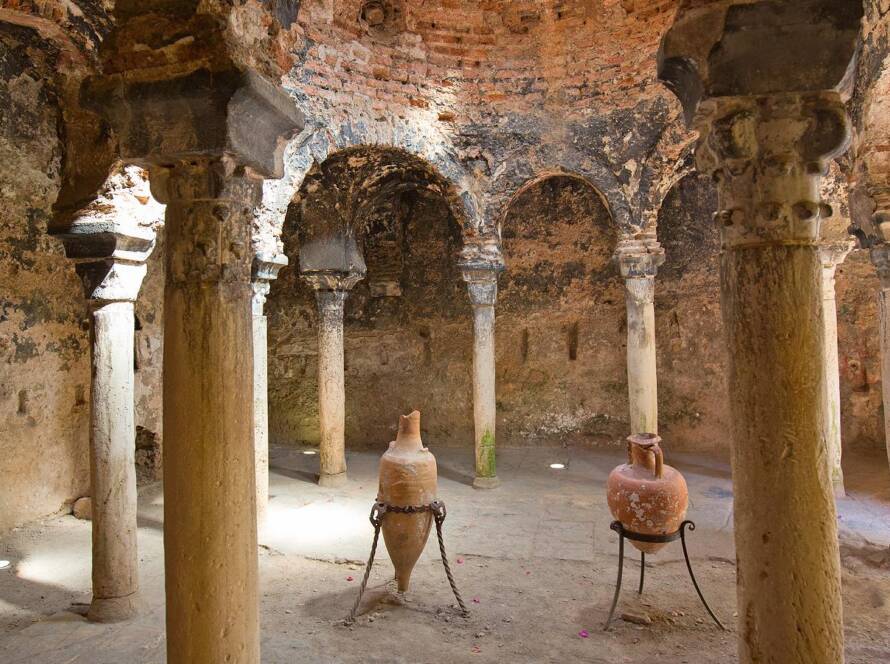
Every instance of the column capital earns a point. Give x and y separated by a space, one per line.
762 83
482 282
333 280
880 258
833 254
200 102
639 258
768 155
110 239
265 270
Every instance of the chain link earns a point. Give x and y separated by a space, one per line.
378 511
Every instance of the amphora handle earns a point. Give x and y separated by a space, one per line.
647 442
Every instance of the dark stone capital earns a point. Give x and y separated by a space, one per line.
738 49
172 92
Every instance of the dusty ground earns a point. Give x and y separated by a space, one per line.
535 560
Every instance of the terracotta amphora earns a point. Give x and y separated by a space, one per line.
407 479
646 495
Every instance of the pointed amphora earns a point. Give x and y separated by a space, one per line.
407 479
646 495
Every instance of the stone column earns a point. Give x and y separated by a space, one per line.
880 257
831 255
111 262
210 534
331 290
482 286
208 131
768 165
768 126
265 270
639 261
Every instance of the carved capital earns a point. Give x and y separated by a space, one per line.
331 280
482 283
833 254
331 304
111 238
768 155
265 270
640 290
210 207
639 258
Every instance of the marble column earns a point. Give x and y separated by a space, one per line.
880 257
331 289
639 261
111 262
831 255
265 270
210 532
482 286
768 127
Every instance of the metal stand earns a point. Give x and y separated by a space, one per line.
679 534
378 511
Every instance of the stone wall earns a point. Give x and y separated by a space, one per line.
560 329
44 320
44 332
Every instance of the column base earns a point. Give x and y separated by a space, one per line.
332 481
112 609
486 482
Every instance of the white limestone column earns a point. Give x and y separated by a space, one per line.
331 290
482 286
210 528
110 248
638 261
265 270
880 257
831 255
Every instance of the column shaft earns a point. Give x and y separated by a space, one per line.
785 523
642 380
482 287
832 254
331 387
484 397
112 464
210 536
261 413
768 154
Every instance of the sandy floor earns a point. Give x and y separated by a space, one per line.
535 561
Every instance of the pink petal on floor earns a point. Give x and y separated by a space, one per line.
349 578
475 600
460 561
583 633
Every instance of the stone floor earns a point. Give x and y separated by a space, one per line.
535 560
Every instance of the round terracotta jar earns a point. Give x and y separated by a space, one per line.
646 495
407 479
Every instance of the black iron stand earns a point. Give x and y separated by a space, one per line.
679 534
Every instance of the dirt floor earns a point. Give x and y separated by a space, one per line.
535 561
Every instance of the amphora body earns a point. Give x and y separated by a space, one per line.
646 495
407 479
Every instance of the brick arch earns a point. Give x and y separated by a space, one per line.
596 176
337 196
523 172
